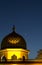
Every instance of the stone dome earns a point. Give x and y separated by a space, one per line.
13 40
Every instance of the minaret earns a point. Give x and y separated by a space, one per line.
13 28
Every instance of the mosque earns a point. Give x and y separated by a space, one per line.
14 51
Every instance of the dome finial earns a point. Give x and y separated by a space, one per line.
13 28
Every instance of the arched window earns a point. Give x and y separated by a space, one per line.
14 57
3 59
23 58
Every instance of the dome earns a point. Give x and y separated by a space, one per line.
13 40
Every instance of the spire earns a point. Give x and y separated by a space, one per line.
13 28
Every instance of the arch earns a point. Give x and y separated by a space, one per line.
14 57
3 59
23 58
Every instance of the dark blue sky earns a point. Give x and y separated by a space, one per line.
26 15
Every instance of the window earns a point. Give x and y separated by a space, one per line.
14 57
3 58
23 58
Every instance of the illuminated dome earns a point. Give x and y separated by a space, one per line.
13 40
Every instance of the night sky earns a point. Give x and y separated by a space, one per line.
26 15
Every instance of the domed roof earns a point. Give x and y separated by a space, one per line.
13 40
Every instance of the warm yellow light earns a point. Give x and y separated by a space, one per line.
14 41
17 52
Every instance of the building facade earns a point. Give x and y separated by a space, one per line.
14 52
